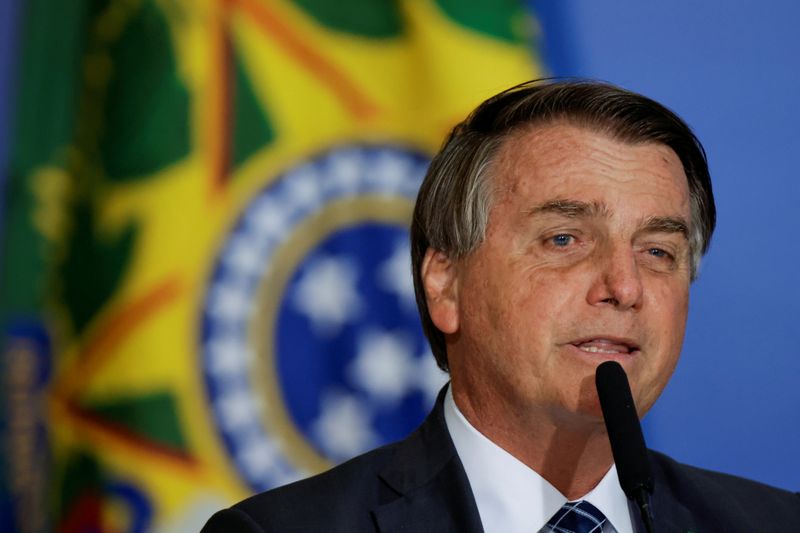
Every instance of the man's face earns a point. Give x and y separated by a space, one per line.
585 259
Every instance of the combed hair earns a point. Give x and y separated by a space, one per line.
454 200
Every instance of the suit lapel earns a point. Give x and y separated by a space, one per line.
428 488
669 514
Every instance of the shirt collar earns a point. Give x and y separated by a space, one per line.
612 502
511 496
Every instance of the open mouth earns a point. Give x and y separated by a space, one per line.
606 346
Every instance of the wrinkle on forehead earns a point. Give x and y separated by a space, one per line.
516 166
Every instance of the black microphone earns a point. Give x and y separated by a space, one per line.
625 435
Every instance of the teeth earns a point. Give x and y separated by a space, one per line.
595 349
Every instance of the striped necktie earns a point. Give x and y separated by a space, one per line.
577 517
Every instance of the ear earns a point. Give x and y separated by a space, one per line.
440 280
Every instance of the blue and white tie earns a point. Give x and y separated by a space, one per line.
577 517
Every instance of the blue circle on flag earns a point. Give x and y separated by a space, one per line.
311 348
350 343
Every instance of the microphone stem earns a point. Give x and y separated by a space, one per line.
644 510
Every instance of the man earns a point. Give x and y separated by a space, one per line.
560 226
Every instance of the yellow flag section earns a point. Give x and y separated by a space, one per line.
219 145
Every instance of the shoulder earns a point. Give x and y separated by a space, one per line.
714 498
692 478
336 500
416 482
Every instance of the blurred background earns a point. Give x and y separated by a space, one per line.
204 284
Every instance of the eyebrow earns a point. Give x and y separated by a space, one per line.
666 225
578 209
571 208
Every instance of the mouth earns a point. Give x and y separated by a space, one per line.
609 346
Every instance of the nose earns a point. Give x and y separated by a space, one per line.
617 282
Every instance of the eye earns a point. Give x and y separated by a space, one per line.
562 239
658 252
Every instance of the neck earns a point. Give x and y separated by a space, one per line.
571 452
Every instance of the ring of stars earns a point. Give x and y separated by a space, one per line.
266 224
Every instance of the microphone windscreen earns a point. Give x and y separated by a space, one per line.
624 430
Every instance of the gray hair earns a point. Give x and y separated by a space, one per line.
454 200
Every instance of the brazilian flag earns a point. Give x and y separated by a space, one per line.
205 287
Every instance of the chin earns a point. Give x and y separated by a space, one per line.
591 410
588 402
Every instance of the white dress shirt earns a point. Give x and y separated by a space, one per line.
510 496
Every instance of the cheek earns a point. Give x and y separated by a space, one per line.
676 312
480 304
668 322
540 308
669 304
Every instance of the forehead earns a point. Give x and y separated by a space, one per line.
564 161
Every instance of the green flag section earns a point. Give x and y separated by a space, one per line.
152 417
144 126
252 130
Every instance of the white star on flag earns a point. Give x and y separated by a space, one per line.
345 172
244 255
259 456
227 355
343 426
384 366
394 274
302 189
390 172
235 409
327 295
230 301
269 218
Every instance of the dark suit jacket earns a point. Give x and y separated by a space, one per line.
419 485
